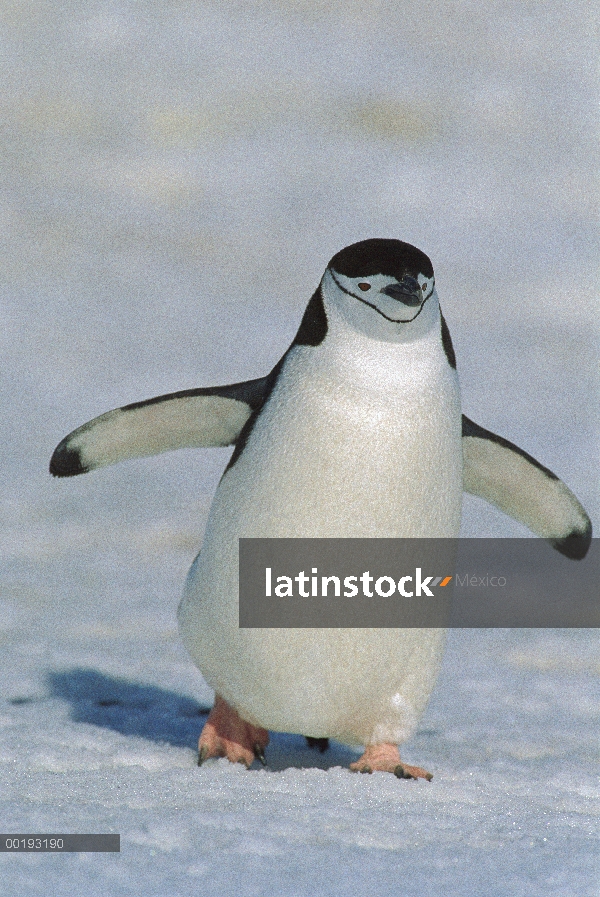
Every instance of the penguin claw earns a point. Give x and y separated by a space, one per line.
203 754
260 754
412 772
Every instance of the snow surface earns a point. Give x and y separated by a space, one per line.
175 177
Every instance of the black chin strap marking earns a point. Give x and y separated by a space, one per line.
378 310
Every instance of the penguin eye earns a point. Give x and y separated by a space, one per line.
424 287
364 287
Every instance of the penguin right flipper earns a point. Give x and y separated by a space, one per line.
211 416
506 476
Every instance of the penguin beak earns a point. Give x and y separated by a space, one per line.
408 292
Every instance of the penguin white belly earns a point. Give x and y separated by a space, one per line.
350 455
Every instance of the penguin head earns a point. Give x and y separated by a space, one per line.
394 278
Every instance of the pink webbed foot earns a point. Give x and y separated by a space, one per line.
226 734
386 758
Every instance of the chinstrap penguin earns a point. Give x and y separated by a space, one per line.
356 432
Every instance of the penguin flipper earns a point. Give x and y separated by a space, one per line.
506 476
211 416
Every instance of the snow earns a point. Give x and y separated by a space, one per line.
164 166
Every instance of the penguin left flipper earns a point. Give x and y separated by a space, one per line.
506 476
211 416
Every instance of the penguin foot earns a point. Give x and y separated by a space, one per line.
386 758
226 734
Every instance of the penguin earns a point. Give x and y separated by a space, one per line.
356 432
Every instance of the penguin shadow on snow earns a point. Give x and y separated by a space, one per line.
292 752
162 716
130 708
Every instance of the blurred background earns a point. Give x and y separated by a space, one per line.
176 175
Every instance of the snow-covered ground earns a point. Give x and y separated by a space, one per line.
175 177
